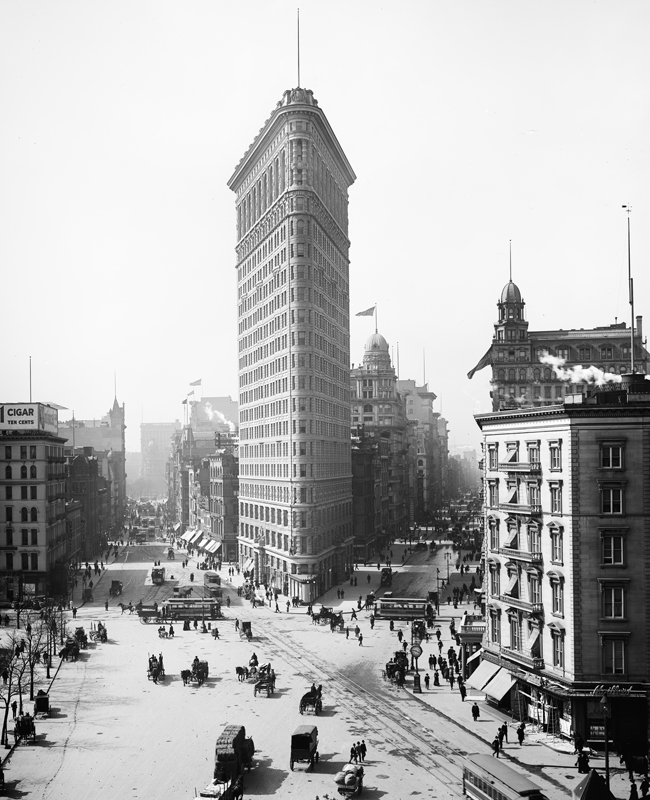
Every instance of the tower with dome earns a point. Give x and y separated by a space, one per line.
520 378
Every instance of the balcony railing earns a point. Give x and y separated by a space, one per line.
520 466
521 555
524 605
520 508
532 662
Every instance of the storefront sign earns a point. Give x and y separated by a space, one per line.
28 416
612 691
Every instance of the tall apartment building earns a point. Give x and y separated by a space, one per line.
567 521
295 509
520 379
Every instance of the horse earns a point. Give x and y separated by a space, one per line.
155 673
186 675
242 673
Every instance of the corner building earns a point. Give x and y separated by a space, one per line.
295 509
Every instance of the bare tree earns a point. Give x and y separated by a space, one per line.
37 646
13 671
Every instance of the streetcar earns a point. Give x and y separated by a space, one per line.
409 608
487 778
212 584
192 608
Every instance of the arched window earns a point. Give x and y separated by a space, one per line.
511 375
23 515
536 374
547 374
8 472
420 462
23 472
501 375
32 471
367 409
522 374
34 514
300 228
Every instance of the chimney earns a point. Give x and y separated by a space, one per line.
639 327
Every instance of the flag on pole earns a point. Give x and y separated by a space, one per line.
184 403
196 383
367 313
189 394
484 362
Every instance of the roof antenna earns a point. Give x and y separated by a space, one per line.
510 260
298 10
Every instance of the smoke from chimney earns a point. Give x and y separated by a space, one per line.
578 374
220 417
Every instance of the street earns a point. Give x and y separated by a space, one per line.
114 733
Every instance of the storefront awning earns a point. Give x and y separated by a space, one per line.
176 527
500 685
201 543
485 671
187 536
248 564
195 536
476 655
213 546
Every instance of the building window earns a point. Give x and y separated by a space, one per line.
494 534
606 353
493 494
515 633
562 352
584 353
613 552
33 515
533 453
557 545
613 602
493 457
10 537
611 456
557 638
8 452
9 493
24 561
613 656
23 452
32 493
533 494
611 498
32 451
34 561
534 589
32 472
495 580
555 455
23 473
556 497
495 627
34 535
8 473
534 539
557 594
9 561
24 537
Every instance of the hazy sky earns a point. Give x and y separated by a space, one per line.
467 124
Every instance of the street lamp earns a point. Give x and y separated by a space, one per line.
604 704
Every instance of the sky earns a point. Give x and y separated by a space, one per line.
468 125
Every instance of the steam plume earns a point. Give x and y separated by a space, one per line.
578 374
220 417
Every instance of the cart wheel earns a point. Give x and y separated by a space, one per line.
291 764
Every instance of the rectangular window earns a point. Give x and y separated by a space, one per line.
9 561
24 561
23 493
558 649
614 656
493 494
10 537
611 456
613 552
611 500
32 493
584 353
533 454
495 583
34 561
23 452
555 454
533 494
493 458
32 451
557 590
562 352
8 452
9 514
494 535
556 499
557 545
495 628
9 493
515 633
613 602
534 589
606 352
24 536
34 535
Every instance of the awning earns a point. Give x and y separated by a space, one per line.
177 526
201 543
187 536
209 546
213 546
500 685
512 535
247 564
195 535
510 588
476 655
485 671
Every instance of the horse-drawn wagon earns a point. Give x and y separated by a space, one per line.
246 630
198 673
324 615
156 670
265 681
304 746
312 700
349 781
147 613
25 729
116 588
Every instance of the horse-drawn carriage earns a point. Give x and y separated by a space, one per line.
197 674
324 615
246 630
304 746
147 613
42 703
100 634
349 781
312 700
156 670
395 670
265 680
116 588
70 650
337 621
25 729
80 637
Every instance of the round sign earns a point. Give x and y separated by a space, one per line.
416 651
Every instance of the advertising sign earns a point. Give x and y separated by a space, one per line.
28 417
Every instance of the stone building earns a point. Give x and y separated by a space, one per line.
224 502
295 502
567 547
520 378
155 447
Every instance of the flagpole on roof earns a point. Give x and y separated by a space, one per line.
376 315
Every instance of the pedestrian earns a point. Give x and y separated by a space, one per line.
342 594
634 794
500 735
215 633
338 594
645 786
583 763
347 633
438 634
400 636
354 614
432 661
372 622
463 691
171 631
277 607
427 680
360 639
228 601
14 708
405 646
74 612
439 646
236 624
579 743
495 746
476 711
368 577
520 734
106 605
288 605
353 754
451 680
504 728
363 749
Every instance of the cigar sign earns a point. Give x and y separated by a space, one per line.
28 417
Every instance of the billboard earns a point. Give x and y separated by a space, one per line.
28 417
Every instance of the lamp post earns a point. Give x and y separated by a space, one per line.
604 703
